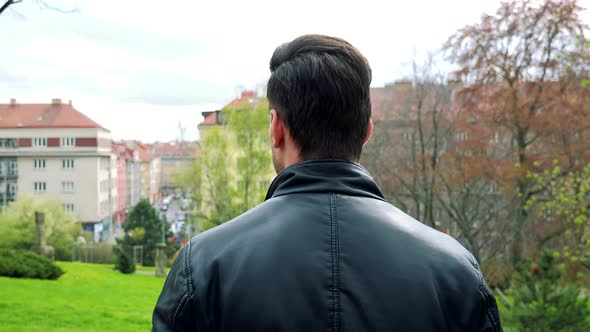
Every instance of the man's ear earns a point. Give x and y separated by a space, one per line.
277 130
369 131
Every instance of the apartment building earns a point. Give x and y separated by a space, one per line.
56 152
133 174
125 183
174 157
215 120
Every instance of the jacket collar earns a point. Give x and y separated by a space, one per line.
325 176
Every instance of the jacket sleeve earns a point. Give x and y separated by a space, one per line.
173 309
489 318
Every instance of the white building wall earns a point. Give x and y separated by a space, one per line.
84 175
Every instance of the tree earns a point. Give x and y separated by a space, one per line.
123 261
17 225
516 86
426 166
144 227
407 143
234 170
41 3
563 207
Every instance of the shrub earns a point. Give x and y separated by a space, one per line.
18 229
103 253
123 261
27 264
541 303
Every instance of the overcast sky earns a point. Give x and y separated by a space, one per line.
139 67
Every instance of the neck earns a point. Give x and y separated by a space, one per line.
291 154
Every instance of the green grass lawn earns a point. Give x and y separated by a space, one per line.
88 297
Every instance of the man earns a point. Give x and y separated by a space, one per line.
325 251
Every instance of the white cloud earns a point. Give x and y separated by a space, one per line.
165 60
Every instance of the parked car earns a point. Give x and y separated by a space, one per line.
164 207
185 203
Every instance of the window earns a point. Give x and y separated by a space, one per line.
496 138
12 168
67 163
7 142
549 214
39 163
12 189
67 141
67 186
40 186
8 167
69 207
40 141
407 136
461 136
493 188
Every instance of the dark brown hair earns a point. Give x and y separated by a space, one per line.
319 85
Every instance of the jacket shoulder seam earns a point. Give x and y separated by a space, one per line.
187 270
335 253
188 286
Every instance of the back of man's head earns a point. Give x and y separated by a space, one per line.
319 86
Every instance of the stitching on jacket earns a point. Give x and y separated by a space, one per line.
187 270
486 297
188 285
335 265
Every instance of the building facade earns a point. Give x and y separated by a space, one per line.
174 157
124 156
54 151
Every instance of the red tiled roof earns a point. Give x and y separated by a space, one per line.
44 116
176 149
210 118
245 98
145 155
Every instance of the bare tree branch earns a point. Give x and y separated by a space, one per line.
7 4
42 4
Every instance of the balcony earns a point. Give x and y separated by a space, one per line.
12 173
8 143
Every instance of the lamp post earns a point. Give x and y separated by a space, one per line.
161 258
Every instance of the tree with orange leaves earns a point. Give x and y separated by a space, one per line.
522 69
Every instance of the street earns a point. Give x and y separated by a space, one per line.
174 214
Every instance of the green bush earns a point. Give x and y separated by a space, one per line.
540 302
18 230
103 253
27 264
123 261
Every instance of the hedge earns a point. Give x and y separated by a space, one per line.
27 264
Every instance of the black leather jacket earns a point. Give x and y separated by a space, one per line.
325 252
